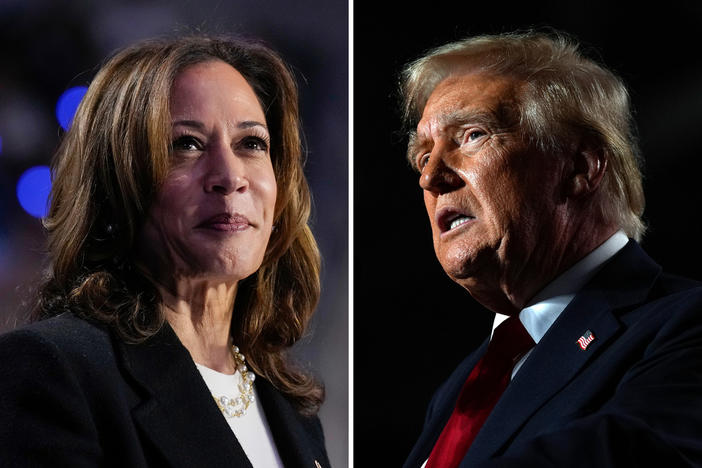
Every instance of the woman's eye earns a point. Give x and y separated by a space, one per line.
187 143
255 144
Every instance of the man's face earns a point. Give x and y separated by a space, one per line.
491 199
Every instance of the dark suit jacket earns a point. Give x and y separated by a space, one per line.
72 395
632 398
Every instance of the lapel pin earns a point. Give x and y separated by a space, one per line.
585 340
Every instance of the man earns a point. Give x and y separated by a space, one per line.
529 167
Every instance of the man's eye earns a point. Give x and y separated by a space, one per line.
475 134
187 143
423 160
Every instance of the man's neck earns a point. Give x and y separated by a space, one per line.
543 309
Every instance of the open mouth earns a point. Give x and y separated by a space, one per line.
451 219
458 221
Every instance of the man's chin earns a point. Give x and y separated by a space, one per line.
467 258
460 263
461 271
475 274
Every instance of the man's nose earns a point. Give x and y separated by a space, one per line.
227 171
439 175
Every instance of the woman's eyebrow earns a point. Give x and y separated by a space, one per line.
251 123
189 123
200 126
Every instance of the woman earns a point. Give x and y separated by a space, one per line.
179 244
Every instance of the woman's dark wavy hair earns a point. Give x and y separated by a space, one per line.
111 164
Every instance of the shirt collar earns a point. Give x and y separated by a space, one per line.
538 316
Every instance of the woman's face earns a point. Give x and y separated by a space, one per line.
213 215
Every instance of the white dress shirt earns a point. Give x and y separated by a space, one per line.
538 316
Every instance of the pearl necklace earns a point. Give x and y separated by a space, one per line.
236 407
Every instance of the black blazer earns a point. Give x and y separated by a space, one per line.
73 395
632 398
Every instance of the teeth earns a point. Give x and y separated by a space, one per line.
458 221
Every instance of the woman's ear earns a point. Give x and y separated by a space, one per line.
589 166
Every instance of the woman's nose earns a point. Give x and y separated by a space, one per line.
226 171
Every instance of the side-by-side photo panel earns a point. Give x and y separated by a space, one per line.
526 257
174 234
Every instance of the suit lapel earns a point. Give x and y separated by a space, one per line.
292 438
536 383
441 407
558 358
177 413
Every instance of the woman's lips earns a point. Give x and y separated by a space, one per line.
226 222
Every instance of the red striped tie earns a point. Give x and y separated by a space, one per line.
481 391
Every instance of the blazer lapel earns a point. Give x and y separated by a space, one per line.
295 445
177 413
441 407
624 281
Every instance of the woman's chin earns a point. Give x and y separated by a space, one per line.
218 272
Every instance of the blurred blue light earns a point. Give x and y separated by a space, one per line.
67 105
33 188
0 145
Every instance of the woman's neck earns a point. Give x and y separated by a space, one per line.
201 315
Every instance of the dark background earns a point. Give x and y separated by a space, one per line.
412 325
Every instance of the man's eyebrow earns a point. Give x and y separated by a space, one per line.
415 142
453 119
466 116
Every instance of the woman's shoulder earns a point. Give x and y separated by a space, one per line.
65 329
59 386
65 337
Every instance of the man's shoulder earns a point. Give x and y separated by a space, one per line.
676 287
671 298
673 308
633 278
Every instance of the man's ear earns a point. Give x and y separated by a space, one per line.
589 166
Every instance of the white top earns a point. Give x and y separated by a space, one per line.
538 316
251 429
